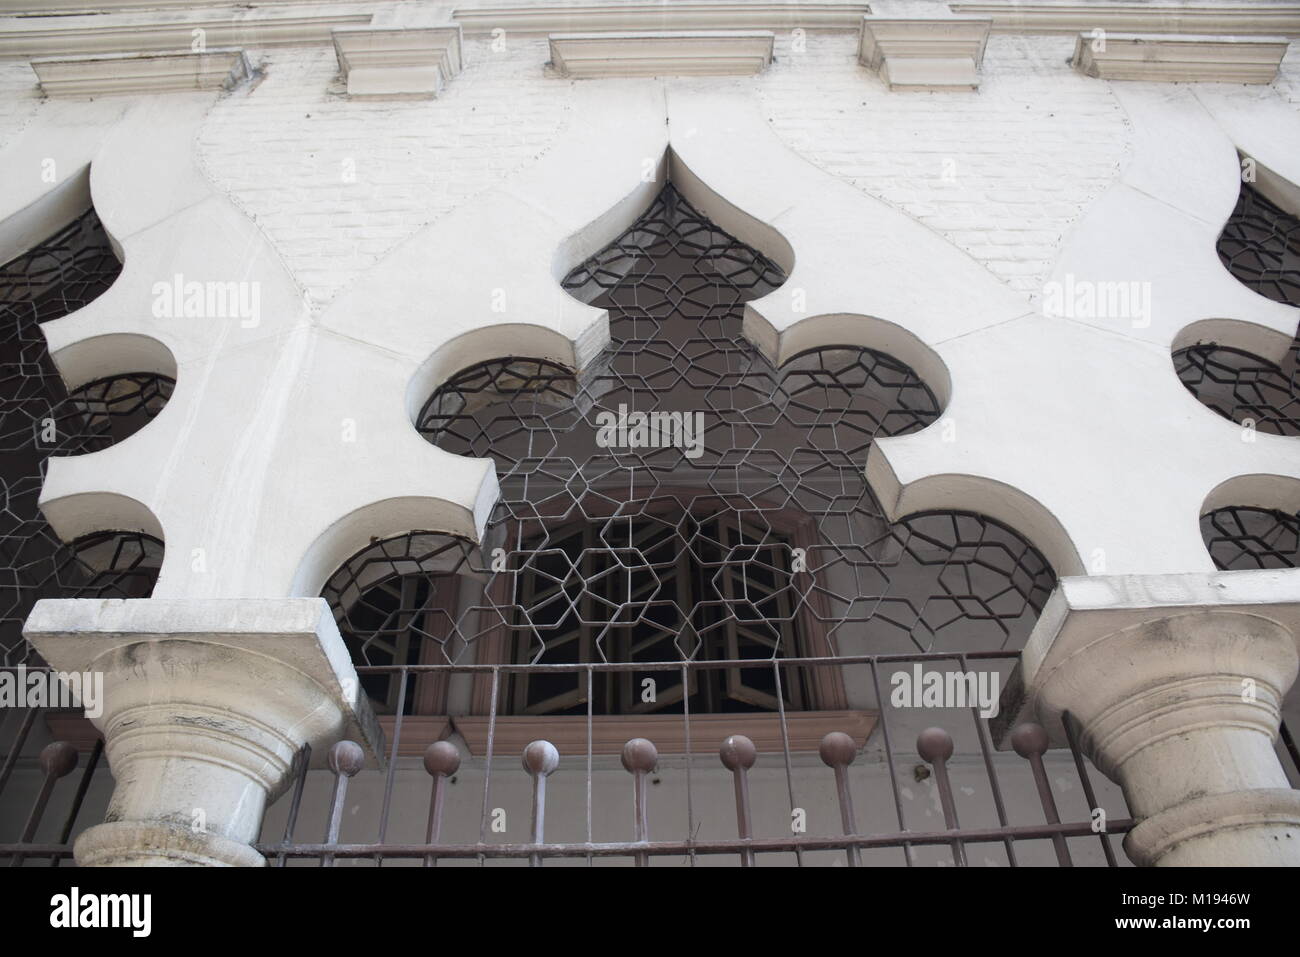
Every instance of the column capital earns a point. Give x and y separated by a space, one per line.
1088 620
206 703
1176 684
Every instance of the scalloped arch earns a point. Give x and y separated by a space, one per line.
1018 511
373 523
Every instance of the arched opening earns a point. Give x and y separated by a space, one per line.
1247 537
681 501
40 418
1260 246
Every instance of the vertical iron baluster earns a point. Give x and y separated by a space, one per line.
640 757
1071 735
998 805
487 761
785 751
590 700
838 751
391 778
935 747
302 763
540 761
908 856
1284 734
24 729
345 760
738 755
441 760
1030 742
57 760
686 730
82 787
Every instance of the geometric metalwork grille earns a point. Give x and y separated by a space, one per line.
1244 538
39 418
1260 246
683 500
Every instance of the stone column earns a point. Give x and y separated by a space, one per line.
1176 684
206 703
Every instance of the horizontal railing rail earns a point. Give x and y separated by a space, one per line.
1035 816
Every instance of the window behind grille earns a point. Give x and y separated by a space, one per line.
639 596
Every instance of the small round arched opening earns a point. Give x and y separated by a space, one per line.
112 544
1253 521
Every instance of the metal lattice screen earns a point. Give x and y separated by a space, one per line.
750 535
1244 538
1260 246
39 418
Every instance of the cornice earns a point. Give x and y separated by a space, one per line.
924 54
170 72
698 53
397 61
92 27
676 17
1173 58
1225 19
160 31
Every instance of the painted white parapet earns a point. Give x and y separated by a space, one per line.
205 705
1175 683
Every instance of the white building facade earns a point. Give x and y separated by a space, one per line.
802 433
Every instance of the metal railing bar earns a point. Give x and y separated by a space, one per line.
83 785
392 762
487 757
785 750
20 739
590 698
981 731
992 835
1067 721
303 760
709 664
889 756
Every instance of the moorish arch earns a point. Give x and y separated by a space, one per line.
40 417
750 534
1219 361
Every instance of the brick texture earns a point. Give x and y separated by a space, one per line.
337 183
19 99
1001 173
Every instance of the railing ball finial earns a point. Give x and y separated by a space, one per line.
640 755
838 750
346 758
441 757
58 759
738 752
1029 739
541 757
934 744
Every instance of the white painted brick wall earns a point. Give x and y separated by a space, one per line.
280 151
1001 173
19 99
1287 83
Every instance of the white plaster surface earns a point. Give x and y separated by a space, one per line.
446 248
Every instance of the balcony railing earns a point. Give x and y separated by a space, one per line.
940 795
